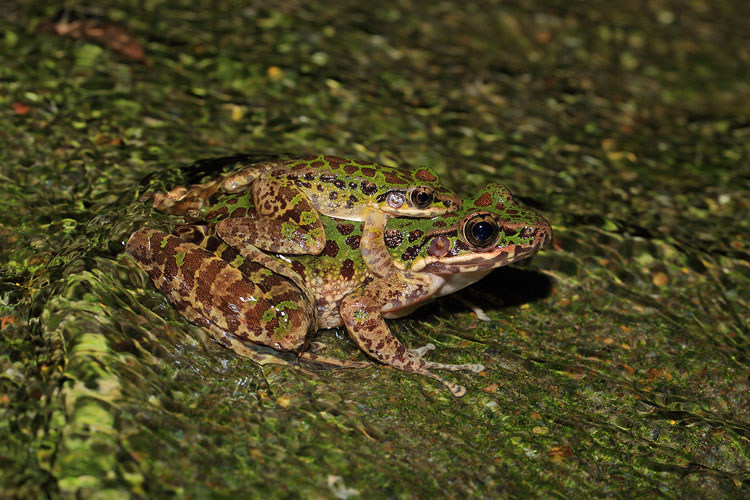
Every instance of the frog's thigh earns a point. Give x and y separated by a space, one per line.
272 235
265 309
287 221
372 245
249 251
360 312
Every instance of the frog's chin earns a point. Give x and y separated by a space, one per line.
455 282
440 285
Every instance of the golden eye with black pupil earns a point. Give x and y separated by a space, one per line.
481 231
422 197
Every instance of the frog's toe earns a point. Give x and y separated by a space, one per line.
456 389
421 351
332 362
471 367
316 347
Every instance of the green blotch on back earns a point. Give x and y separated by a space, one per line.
309 218
297 198
288 230
287 304
268 315
361 315
164 242
179 258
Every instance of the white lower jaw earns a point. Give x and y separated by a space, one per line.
454 282
441 285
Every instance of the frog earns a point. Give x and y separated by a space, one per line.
290 195
244 304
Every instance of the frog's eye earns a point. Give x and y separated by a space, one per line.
481 231
422 197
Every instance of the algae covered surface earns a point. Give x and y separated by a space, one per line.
618 359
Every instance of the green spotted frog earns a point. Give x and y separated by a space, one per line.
289 197
241 302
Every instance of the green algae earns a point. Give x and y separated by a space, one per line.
617 359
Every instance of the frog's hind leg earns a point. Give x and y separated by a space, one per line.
188 201
250 252
287 221
260 307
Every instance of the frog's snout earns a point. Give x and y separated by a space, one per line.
540 233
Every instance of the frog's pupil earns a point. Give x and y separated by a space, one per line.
423 198
481 231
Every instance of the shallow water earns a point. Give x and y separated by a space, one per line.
617 359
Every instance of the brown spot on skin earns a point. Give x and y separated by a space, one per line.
336 160
368 172
353 241
369 188
302 184
425 175
510 231
350 169
299 268
393 238
394 178
220 214
232 201
509 211
331 249
240 212
340 184
345 228
317 164
439 246
333 195
352 185
415 235
309 176
327 177
347 269
484 201
410 253
439 223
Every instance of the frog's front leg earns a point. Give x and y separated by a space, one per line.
361 313
372 245
260 308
